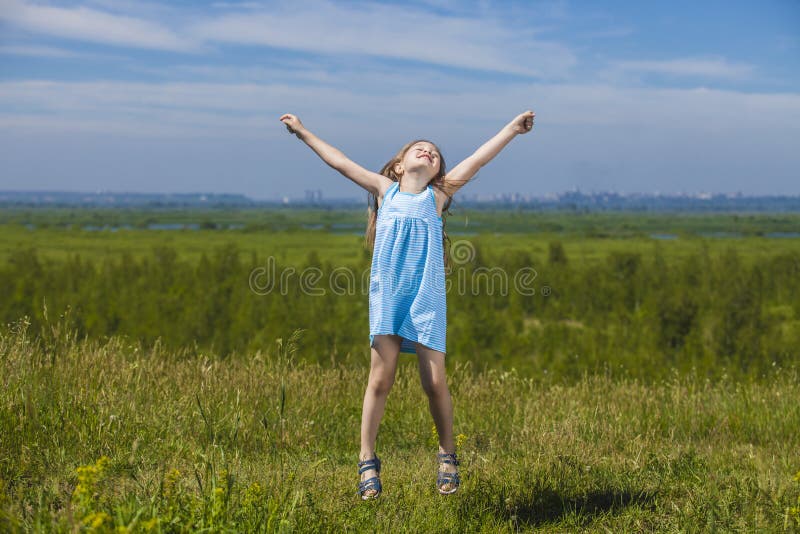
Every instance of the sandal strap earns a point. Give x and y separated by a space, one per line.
370 483
444 478
450 459
366 465
373 483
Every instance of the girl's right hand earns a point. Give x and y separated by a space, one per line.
523 123
292 123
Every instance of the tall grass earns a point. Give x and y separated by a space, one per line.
105 435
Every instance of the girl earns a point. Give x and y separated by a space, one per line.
407 301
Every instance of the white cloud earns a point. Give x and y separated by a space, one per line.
394 32
237 5
38 51
481 41
557 105
50 51
473 42
85 24
347 90
692 67
595 136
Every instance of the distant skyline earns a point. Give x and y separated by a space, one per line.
178 97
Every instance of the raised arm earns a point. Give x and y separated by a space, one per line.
371 181
464 171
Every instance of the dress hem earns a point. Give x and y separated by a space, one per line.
411 340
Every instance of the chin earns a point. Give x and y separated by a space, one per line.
424 170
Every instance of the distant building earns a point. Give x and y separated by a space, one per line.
314 196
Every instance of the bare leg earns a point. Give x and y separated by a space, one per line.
383 366
434 382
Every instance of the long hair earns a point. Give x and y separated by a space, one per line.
437 181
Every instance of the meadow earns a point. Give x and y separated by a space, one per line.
149 386
112 436
636 295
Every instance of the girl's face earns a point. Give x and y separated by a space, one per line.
423 158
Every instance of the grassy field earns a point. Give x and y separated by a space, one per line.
337 235
293 247
503 220
109 436
616 296
592 417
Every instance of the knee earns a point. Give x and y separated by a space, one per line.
380 385
435 388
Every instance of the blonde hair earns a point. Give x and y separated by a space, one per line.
437 181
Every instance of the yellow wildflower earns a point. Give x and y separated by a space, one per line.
150 524
253 496
434 439
170 481
95 520
88 478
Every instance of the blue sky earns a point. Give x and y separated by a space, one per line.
124 95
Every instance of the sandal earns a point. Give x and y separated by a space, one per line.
373 483
443 477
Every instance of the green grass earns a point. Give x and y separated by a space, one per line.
265 442
284 232
505 220
287 247
293 247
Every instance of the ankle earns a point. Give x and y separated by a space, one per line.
363 456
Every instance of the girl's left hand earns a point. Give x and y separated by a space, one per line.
523 123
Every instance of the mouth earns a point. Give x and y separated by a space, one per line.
427 157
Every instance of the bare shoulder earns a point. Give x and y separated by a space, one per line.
384 184
375 183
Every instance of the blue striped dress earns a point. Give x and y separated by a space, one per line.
407 293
